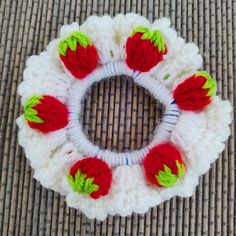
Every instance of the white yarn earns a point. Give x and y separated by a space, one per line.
44 74
106 47
130 193
200 136
185 62
173 41
39 147
67 30
113 159
123 26
189 129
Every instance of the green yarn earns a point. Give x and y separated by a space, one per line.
166 76
82 184
111 53
166 178
210 83
72 41
30 114
204 74
181 169
139 29
155 36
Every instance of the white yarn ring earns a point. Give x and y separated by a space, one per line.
113 159
190 137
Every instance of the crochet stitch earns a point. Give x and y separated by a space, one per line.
78 54
195 92
191 135
145 49
45 113
90 176
164 165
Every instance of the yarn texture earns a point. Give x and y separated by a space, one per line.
195 92
78 54
145 49
92 175
45 113
190 137
164 165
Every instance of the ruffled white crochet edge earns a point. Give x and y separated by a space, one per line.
200 136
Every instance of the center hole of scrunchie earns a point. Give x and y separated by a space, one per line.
118 115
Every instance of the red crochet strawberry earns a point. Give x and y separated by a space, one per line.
195 92
78 54
90 176
45 113
145 49
163 165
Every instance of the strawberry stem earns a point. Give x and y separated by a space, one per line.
80 183
166 178
155 36
72 41
181 169
30 113
139 29
210 83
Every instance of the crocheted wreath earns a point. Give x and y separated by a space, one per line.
99 182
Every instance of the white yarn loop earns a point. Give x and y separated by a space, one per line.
199 135
158 90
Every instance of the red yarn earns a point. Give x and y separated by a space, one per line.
160 155
97 169
80 62
190 95
53 113
142 55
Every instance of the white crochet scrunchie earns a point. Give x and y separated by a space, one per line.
99 182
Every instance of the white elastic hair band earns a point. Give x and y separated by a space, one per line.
158 90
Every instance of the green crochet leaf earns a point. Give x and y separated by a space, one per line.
166 77
82 184
139 29
166 178
71 181
111 53
210 83
155 36
72 41
30 114
204 74
181 169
